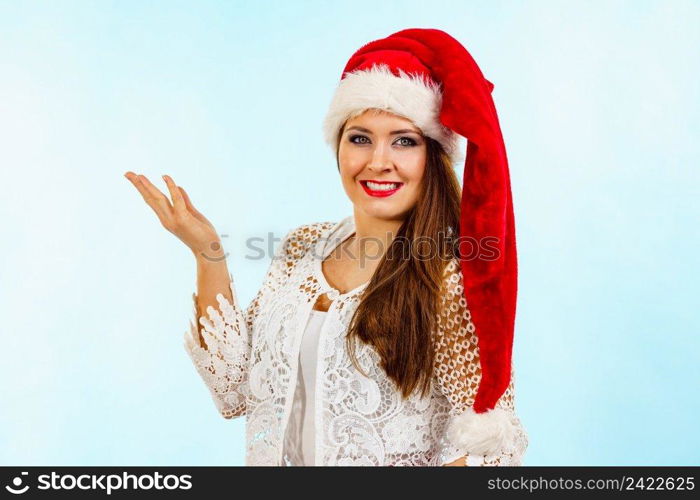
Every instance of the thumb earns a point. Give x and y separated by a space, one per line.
188 202
190 206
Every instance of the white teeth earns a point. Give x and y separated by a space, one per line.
381 187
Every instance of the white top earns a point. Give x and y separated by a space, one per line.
300 436
251 366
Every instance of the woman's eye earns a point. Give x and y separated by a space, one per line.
410 142
352 139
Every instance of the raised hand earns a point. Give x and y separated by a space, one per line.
180 217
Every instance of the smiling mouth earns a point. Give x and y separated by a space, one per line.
381 189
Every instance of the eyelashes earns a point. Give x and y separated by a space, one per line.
411 143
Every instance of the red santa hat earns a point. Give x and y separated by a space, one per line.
428 77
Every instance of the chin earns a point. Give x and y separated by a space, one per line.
386 212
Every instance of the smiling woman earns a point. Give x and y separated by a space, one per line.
375 340
382 173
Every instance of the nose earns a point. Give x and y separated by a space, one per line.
380 160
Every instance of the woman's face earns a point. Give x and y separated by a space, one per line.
386 148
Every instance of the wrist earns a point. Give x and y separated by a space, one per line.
210 256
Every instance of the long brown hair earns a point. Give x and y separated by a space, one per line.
398 309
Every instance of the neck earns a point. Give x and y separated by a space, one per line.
373 235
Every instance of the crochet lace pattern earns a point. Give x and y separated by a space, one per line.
249 366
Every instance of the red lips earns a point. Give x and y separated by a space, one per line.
380 194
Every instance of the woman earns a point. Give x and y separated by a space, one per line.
359 348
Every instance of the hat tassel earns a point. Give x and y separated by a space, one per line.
487 433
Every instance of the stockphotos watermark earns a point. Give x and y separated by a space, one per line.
422 248
102 482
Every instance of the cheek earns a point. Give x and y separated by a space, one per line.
415 172
349 168
348 160
347 176
413 164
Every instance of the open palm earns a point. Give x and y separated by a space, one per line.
179 216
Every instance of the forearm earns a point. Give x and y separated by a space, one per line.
212 278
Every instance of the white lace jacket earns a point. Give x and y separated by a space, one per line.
251 363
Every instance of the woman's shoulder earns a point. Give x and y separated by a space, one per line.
453 299
312 230
302 238
452 277
309 233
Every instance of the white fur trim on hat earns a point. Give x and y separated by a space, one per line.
488 433
414 97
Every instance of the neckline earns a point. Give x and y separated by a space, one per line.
346 228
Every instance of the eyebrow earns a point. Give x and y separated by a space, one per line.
402 131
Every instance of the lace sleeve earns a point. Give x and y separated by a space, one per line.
227 332
458 374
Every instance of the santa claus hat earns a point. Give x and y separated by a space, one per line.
428 77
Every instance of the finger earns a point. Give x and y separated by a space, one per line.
132 177
136 181
155 193
146 195
199 215
175 194
188 202
157 200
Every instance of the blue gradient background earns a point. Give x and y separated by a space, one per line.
598 103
